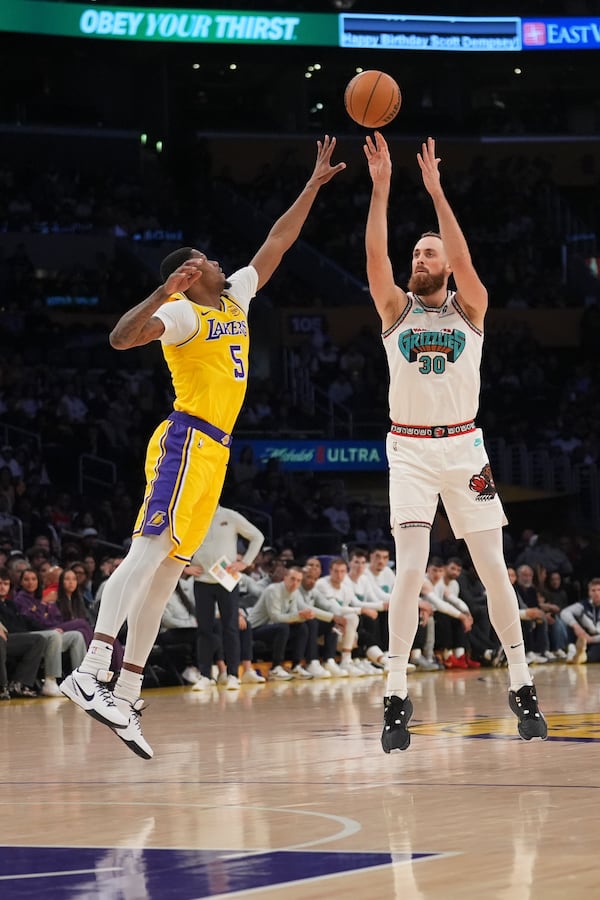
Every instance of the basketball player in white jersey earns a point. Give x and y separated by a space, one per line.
433 338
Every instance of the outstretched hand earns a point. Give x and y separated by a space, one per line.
378 158
324 171
184 277
429 165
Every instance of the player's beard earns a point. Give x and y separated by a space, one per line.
424 284
226 285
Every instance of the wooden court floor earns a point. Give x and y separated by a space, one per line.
282 791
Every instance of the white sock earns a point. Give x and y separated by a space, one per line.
98 657
396 678
459 651
486 552
519 676
346 656
129 685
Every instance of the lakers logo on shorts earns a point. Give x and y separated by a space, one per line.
158 519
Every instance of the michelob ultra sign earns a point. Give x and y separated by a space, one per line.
314 455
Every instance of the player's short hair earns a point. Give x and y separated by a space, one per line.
381 548
359 551
436 561
174 260
431 234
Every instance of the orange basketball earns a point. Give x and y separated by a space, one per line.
372 98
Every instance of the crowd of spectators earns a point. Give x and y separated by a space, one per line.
514 236
325 613
62 396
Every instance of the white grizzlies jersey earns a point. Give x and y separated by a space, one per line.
434 356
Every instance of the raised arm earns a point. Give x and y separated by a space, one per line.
138 325
472 294
287 228
389 299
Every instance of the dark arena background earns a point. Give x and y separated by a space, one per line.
128 130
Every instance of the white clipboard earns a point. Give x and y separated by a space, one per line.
226 579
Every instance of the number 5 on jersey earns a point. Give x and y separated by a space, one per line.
238 362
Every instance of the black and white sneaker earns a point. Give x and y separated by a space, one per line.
396 716
525 707
132 734
91 693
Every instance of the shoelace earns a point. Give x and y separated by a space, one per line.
105 694
136 714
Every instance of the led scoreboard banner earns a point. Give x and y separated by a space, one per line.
345 30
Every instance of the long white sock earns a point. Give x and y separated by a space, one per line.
412 547
131 581
486 552
143 618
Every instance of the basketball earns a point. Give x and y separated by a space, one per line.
372 98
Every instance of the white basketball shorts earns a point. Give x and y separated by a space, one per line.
456 469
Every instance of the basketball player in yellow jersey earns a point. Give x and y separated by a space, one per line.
200 317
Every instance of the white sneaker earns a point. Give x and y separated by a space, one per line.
315 669
367 667
191 674
51 689
229 682
535 658
560 654
427 665
351 669
375 655
132 734
203 684
332 667
571 652
91 693
251 676
278 673
300 672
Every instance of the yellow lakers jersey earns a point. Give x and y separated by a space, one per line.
210 368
